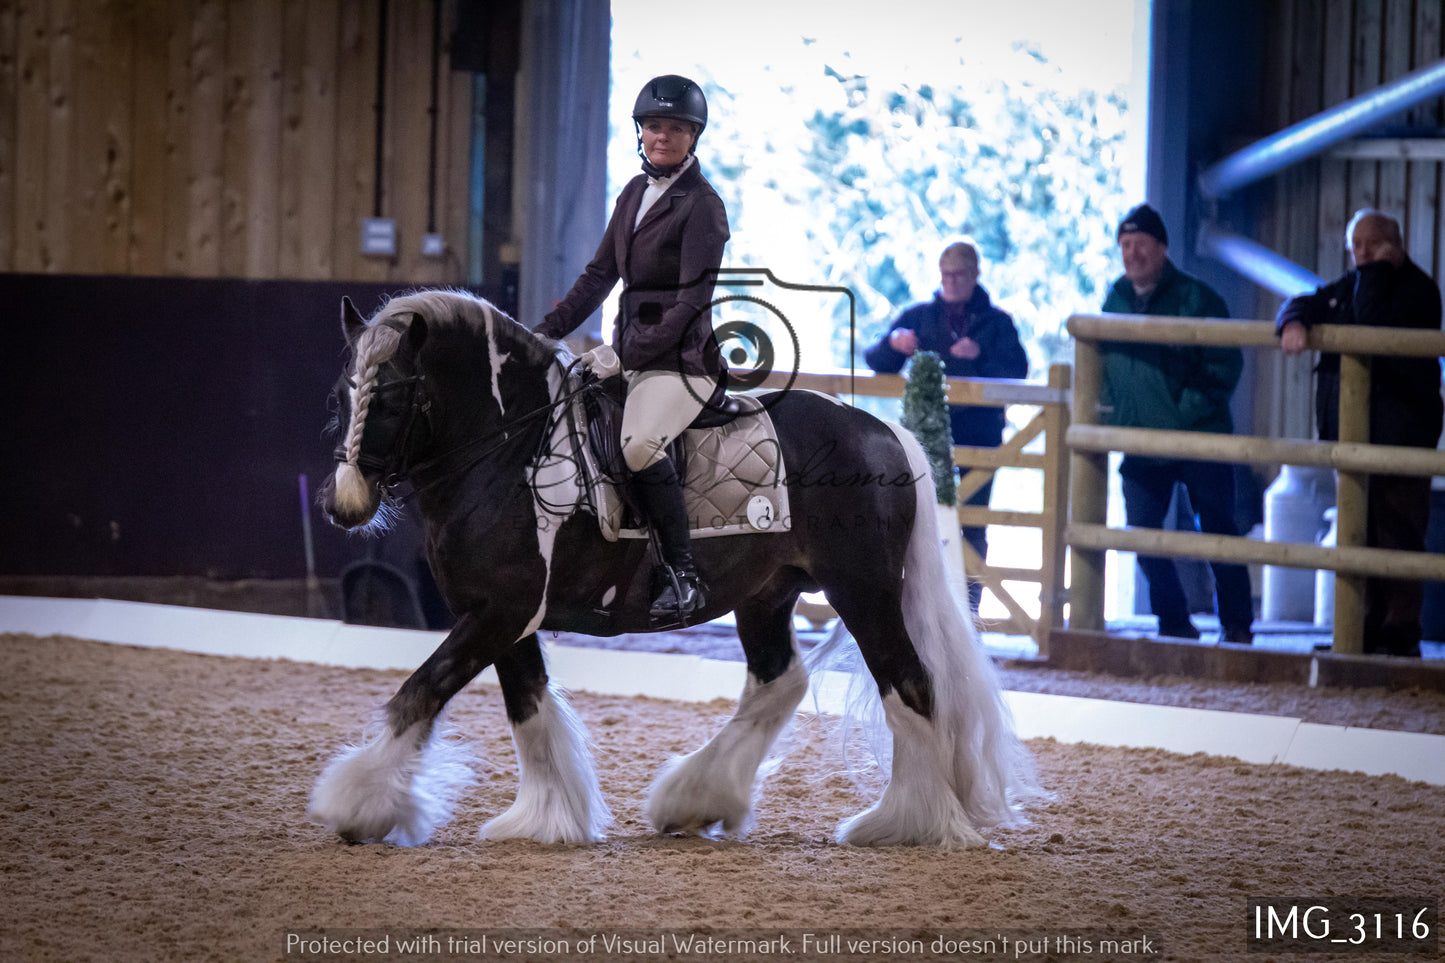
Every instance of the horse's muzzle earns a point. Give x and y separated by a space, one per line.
348 498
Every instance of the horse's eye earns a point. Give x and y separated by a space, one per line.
338 404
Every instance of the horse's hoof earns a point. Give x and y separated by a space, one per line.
692 827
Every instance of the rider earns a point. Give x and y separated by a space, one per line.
665 242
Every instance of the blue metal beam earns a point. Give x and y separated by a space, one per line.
1309 137
1257 262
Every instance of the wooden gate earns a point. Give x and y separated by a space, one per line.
1038 445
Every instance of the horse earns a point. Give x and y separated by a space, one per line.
445 392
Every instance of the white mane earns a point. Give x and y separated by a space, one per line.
384 331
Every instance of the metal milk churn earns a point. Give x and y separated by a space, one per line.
1325 579
1294 510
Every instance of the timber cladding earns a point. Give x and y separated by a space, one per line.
228 138
1326 52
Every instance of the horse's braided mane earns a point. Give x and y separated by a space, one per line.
378 343
450 306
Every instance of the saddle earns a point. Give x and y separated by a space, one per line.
729 459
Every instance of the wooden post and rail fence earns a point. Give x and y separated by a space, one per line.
1352 457
978 466
1074 466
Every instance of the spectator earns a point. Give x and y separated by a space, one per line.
975 340
1180 387
1385 289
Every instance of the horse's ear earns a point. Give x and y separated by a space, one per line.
416 334
352 323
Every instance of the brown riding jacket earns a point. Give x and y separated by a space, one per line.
668 266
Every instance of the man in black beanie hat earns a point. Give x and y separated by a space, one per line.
1146 220
1177 387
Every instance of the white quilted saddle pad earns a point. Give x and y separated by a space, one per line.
735 480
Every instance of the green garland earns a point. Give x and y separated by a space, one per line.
925 413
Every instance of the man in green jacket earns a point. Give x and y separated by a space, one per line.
1182 388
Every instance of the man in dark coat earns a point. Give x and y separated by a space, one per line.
1181 388
1385 289
975 340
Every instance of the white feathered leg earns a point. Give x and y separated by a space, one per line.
919 807
392 788
715 783
558 797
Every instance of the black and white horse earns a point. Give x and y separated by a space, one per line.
448 393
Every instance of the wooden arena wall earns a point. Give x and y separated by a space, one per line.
227 138
1324 53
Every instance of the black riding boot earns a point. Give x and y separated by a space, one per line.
676 591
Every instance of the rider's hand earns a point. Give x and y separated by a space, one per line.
902 340
602 360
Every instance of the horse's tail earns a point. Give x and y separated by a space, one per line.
987 768
862 710
991 770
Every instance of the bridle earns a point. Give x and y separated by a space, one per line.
392 467
395 468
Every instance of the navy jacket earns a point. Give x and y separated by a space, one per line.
1000 356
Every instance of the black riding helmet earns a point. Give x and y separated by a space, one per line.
673 97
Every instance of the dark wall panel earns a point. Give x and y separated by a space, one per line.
159 426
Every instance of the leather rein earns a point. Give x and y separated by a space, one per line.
396 469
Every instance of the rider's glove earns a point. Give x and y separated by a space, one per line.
602 360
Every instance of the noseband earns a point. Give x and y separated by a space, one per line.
393 467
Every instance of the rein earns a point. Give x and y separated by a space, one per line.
490 444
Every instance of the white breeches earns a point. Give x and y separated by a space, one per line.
660 405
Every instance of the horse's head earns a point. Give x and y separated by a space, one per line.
380 410
405 414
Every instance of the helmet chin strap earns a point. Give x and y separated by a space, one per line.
651 169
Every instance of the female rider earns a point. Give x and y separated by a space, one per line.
665 242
